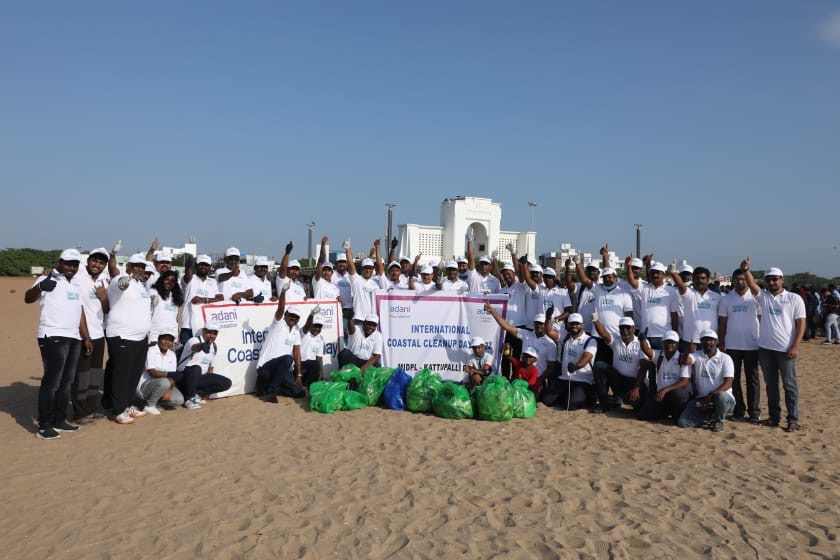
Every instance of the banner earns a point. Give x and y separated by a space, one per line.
433 330
242 329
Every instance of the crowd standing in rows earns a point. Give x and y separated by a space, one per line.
592 341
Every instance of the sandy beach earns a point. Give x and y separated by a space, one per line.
241 478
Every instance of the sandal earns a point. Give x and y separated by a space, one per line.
770 423
793 427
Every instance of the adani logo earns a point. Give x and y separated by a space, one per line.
399 310
224 317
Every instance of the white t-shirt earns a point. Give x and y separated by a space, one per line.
311 347
571 351
201 358
636 297
626 357
279 341
483 284
344 288
534 302
207 288
261 286
457 285
611 306
709 373
420 287
741 312
94 315
546 348
296 291
478 363
670 371
778 319
657 305
516 303
164 314
321 289
155 359
234 285
61 309
130 314
364 347
559 299
363 294
701 313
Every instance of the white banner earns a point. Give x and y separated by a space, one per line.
433 330
242 329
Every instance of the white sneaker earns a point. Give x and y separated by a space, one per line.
199 400
135 412
153 410
192 404
124 418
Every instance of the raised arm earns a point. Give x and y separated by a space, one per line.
751 283
570 281
351 264
281 302
379 266
678 281
631 276
284 262
150 254
113 269
605 334
605 256
470 253
322 257
500 320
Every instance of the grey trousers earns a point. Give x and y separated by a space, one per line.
152 390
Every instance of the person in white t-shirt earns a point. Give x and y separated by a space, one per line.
669 391
738 331
712 372
536 338
395 280
62 332
781 328
279 365
480 281
234 283
628 368
199 289
700 307
426 282
167 298
289 274
260 283
364 346
157 384
451 282
365 284
479 364
572 383
341 278
556 298
312 346
196 367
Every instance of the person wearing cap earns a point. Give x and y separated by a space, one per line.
480 281
659 303
199 289
635 266
712 372
738 332
556 297
537 339
536 291
260 285
85 393
127 328
323 287
451 282
364 284
571 384
341 279
781 328
700 306
628 369
161 261
426 282
279 365
312 346
234 283
516 290
583 299
831 311
395 279
62 333
479 364
364 346
669 393
157 384
289 274
195 368
167 299
525 368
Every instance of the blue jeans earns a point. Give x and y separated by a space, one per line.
694 416
60 356
775 365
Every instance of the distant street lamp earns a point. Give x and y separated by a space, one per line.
638 240
533 205
388 230
309 226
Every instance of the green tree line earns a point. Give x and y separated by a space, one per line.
18 262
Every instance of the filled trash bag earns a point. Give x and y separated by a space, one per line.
326 396
347 373
354 400
422 391
494 399
393 396
524 400
453 401
373 383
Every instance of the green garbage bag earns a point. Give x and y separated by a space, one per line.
326 396
422 390
354 400
494 399
524 400
347 373
453 402
373 383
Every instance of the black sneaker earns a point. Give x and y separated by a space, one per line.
47 433
269 397
64 426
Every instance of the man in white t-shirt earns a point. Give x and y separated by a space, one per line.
157 384
480 281
669 392
700 307
260 284
712 372
278 367
198 376
572 384
536 338
62 331
738 331
234 283
479 363
364 345
199 289
289 274
341 279
628 368
451 282
312 346
365 284
781 328
659 304
556 297
426 282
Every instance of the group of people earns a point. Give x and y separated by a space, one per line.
587 340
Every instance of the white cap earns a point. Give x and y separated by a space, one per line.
137 258
659 266
150 266
404 258
372 318
539 318
530 351
773 271
476 341
626 322
575 318
637 262
294 263
293 310
434 263
536 268
203 259
426 270
685 268
548 271
367 262
211 325
531 260
100 251
341 257
708 333
261 261
462 260
509 266
69 255
168 331
485 259
232 252
318 320
607 271
327 264
163 256
673 336
451 264
591 264
392 264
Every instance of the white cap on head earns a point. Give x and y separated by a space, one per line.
626 322
426 270
659 267
261 261
211 325
485 259
150 266
162 256
529 351
451 264
341 257
476 341
392 264
137 258
536 268
575 318
686 268
372 318
327 264
70 255
673 336
591 264
168 331
367 262
548 271
463 260
607 271
203 259
773 271
100 251
539 318
294 263
404 258
294 310
508 266
637 263
708 333
232 252
531 260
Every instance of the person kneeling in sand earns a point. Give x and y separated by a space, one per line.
670 392
279 366
364 346
196 365
157 385
713 372
480 363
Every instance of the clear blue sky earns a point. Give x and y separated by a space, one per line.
715 124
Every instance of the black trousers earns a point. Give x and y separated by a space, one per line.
86 391
126 362
193 382
277 376
562 393
672 405
746 360
310 371
60 356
